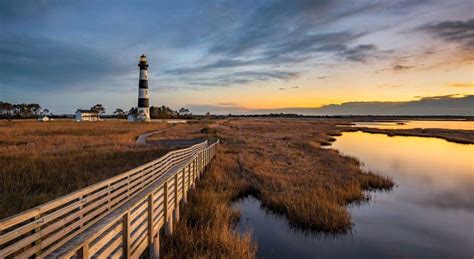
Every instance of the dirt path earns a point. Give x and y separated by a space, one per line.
141 140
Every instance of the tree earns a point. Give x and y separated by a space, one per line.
162 112
133 110
119 113
45 112
22 110
33 109
6 109
184 112
19 110
99 108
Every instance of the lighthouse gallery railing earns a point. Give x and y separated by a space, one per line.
150 191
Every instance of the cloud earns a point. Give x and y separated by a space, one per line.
244 77
44 64
360 53
396 68
288 88
461 32
401 67
439 97
427 105
282 34
461 85
227 104
292 48
48 46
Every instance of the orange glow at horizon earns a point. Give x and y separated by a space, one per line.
351 84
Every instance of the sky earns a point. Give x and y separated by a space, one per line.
238 56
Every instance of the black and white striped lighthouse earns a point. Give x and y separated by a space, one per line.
143 101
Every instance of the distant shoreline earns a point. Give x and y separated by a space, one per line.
361 118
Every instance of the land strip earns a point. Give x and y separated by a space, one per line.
456 136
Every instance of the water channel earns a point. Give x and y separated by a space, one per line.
429 214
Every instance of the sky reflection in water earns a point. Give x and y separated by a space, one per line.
430 214
460 125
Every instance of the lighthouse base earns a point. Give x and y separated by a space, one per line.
143 114
142 118
137 118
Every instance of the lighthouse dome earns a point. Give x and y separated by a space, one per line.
143 58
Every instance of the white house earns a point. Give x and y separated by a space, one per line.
87 115
132 117
45 118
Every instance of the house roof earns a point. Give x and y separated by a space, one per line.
88 111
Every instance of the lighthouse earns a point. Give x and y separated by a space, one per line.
143 113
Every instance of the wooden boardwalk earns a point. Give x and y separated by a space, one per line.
116 218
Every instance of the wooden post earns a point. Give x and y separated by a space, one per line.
150 219
185 190
176 202
155 247
198 175
126 235
80 209
165 200
176 214
128 186
169 226
194 179
168 218
38 229
108 197
189 180
83 252
176 190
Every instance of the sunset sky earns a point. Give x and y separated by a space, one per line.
234 56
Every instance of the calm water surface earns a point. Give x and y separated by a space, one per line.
430 214
439 124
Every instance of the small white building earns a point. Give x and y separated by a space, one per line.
45 118
87 115
132 117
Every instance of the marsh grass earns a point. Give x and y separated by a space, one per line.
207 228
43 161
281 163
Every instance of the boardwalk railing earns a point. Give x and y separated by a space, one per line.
118 217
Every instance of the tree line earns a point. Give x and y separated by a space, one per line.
22 110
161 112
34 110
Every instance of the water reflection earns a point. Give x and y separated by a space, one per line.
430 214
452 124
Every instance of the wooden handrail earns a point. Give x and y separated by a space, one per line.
49 227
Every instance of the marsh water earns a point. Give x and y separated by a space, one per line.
422 124
429 214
